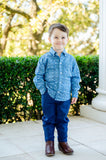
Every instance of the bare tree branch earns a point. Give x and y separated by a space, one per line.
14 11
17 25
37 7
34 8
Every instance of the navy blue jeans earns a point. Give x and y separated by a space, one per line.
55 116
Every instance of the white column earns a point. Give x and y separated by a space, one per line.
99 102
97 111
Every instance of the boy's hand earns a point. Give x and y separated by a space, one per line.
74 100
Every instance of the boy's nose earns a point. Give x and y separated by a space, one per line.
59 39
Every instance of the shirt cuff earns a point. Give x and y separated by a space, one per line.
74 94
42 91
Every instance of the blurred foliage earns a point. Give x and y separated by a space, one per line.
19 98
89 70
24 25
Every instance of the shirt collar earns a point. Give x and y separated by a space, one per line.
54 52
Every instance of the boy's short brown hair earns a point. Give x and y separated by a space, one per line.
60 26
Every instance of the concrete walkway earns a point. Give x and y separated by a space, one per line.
25 141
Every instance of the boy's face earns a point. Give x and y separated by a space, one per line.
58 40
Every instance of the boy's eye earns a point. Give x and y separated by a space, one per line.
61 37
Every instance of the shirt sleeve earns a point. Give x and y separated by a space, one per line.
75 80
39 76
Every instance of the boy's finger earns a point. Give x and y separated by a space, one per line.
74 100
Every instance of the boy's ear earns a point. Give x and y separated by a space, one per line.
67 39
49 39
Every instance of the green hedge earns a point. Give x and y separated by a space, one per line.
20 100
89 69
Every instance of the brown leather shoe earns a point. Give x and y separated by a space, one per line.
49 150
65 148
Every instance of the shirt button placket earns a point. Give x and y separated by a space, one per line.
60 74
60 67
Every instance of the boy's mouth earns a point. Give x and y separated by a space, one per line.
58 44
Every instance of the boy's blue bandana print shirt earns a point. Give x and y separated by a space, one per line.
60 76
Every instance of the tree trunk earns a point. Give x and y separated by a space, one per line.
5 35
34 38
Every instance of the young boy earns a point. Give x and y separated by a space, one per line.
57 77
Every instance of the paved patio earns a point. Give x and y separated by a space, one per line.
25 141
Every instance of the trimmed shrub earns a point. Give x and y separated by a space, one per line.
88 66
19 98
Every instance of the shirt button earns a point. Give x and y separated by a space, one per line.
58 92
60 72
60 63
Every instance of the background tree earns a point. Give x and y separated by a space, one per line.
24 25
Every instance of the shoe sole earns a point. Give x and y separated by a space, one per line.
60 148
49 155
